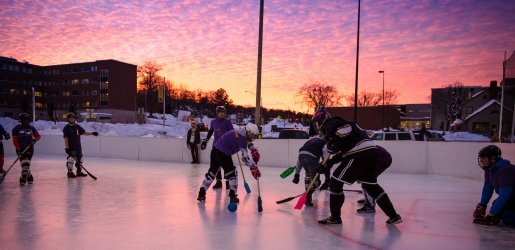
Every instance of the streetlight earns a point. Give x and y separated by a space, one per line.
382 72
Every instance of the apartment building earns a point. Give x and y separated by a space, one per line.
106 88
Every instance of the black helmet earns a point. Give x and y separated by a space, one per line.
71 114
221 109
24 117
488 152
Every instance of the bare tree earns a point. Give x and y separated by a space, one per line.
365 99
450 102
319 93
369 99
390 97
148 79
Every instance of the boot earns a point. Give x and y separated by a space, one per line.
30 179
367 208
23 177
361 201
309 199
71 174
331 221
218 184
394 220
201 194
81 174
233 197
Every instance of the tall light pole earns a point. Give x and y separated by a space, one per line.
357 63
382 72
260 53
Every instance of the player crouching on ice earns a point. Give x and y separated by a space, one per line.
72 145
499 177
230 143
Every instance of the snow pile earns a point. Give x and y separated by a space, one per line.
465 136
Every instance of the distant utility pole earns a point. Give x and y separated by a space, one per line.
260 55
357 64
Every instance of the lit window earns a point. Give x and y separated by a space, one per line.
75 81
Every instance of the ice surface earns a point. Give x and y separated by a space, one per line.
152 205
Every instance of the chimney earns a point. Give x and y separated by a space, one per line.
492 90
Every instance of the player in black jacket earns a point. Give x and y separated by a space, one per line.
359 158
72 145
24 137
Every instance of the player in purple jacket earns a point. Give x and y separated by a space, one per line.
221 155
218 127
499 177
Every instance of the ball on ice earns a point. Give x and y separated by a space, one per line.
232 207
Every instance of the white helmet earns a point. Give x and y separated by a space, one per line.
252 129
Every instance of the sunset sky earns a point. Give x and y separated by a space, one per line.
212 44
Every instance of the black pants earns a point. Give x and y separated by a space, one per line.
194 152
1 155
219 159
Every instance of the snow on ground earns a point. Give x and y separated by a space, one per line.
177 128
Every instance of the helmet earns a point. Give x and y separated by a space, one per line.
320 108
71 114
24 117
252 129
486 154
319 118
221 109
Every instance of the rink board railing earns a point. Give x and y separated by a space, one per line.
456 159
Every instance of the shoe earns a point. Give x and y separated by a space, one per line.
23 180
233 197
394 220
30 179
324 186
201 194
308 203
227 186
331 221
81 174
71 174
361 201
367 209
218 184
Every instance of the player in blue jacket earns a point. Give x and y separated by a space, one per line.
499 177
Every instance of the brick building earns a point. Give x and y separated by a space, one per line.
101 87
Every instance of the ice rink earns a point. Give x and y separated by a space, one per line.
152 205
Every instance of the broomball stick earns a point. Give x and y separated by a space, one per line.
245 184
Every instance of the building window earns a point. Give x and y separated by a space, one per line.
38 93
94 92
39 105
85 104
75 81
66 93
85 81
470 110
104 103
480 127
93 68
14 92
75 93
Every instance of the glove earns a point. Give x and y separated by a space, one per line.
203 145
255 172
296 179
487 220
34 141
255 155
480 211
18 153
95 133
321 168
